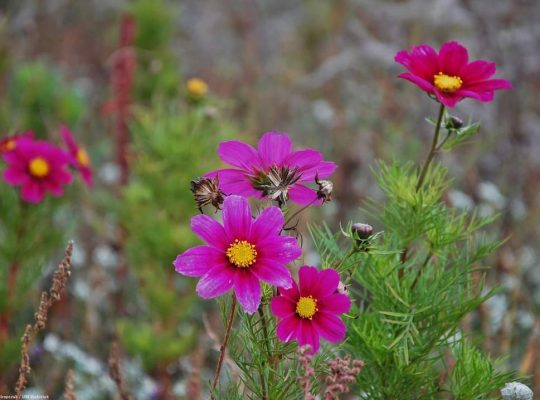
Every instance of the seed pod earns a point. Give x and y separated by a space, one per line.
325 189
206 191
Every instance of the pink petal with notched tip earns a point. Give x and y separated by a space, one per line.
282 306
273 272
237 217
453 57
247 290
198 260
217 281
329 327
211 231
287 328
273 148
238 154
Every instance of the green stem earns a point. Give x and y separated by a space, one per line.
419 272
298 212
432 150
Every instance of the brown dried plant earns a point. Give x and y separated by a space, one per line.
116 372
69 394
60 278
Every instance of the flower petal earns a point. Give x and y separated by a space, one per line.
308 279
234 181
32 192
452 58
489 85
273 148
307 334
268 223
448 99
336 303
422 61
293 294
247 290
328 283
282 249
478 71
15 176
274 273
239 154
211 231
198 260
216 281
237 217
329 327
303 195
287 329
418 81
282 307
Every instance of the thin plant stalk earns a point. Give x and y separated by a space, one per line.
432 150
224 344
431 155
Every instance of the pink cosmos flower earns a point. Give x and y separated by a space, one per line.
449 75
79 157
311 308
272 170
9 143
38 167
239 253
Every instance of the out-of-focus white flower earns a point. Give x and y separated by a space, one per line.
516 391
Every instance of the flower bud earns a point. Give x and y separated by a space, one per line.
453 123
362 231
516 391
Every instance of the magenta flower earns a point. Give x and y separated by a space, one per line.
79 157
449 75
311 308
239 253
38 167
272 170
9 143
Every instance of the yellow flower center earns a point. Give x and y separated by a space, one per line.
9 145
447 83
306 307
83 158
242 253
39 167
197 87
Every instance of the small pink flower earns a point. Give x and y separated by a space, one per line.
38 167
79 157
311 308
273 170
10 143
239 253
449 75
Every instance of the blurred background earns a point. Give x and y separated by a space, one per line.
116 73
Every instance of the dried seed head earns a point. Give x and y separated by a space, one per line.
276 183
206 191
325 189
516 391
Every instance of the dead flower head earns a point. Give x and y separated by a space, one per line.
206 191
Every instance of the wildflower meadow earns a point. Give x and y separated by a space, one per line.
267 200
